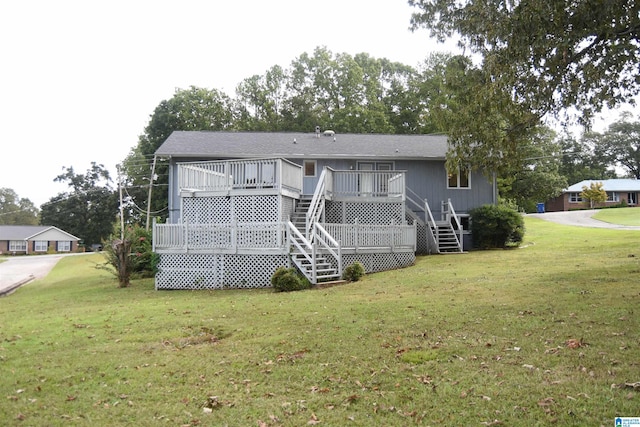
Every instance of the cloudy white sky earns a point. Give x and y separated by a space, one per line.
79 79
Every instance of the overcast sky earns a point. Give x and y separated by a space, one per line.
80 79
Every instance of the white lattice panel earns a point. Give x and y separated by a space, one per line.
203 210
210 271
380 261
365 213
422 242
256 208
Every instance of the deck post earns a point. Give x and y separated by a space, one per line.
357 234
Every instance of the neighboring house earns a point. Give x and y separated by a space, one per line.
242 204
619 191
30 239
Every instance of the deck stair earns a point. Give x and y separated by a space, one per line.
324 270
446 237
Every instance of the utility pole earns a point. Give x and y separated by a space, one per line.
151 179
121 207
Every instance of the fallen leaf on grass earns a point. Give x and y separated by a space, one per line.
492 423
633 386
314 420
574 343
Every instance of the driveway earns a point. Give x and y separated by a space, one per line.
19 270
580 219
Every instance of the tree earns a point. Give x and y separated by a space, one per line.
620 145
551 54
538 179
189 109
16 211
579 162
88 210
594 193
486 128
537 58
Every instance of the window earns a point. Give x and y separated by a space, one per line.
612 196
40 246
309 167
459 179
18 246
64 246
575 198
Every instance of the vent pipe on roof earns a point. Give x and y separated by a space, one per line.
317 131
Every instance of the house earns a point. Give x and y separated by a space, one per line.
619 191
242 204
30 239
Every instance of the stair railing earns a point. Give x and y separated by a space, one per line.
452 218
317 205
327 242
305 248
432 236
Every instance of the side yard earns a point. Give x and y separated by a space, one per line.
541 335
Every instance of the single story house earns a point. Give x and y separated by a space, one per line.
619 191
29 239
242 204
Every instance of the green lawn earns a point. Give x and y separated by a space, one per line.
626 216
545 334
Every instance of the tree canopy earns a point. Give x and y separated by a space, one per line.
88 209
537 59
15 210
551 55
619 145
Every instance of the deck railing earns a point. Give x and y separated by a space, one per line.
360 183
203 237
360 236
240 174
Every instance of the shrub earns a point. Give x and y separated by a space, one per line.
131 257
353 272
496 227
288 279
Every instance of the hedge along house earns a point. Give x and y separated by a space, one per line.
242 204
34 239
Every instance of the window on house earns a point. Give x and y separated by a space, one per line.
612 196
575 198
309 167
64 246
17 246
40 246
459 179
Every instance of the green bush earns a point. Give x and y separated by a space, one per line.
288 279
496 227
353 272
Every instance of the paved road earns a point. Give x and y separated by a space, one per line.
19 270
581 219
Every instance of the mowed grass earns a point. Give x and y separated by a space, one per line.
626 216
545 334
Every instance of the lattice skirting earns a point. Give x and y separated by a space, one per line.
422 241
380 261
217 271
342 212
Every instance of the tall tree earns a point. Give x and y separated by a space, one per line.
88 210
537 58
551 54
538 178
15 210
189 109
620 145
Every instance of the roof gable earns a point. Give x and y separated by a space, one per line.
227 145
34 232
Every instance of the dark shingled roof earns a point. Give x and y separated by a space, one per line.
237 145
